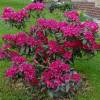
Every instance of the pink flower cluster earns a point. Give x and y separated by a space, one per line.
89 36
73 44
9 14
35 6
2 54
72 15
71 30
67 55
53 46
18 39
27 71
65 28
18 59
18 18
47 23
58 74
91 26
21 39
11 72
9 37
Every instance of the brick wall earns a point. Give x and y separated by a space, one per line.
89 8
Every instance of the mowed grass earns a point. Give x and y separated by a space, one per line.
91 67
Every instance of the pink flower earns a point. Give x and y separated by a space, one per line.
53 46
35 6
49 80
19 16
9 37
72 15
42 37
2 55
21 38
28 70
62 24
58 65
71 30
91 26
57 74
31 41
76 77
48 23
18 59
61 49
11 72
68 55
89 36
7 13
73 44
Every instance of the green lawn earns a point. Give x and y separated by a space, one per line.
91 68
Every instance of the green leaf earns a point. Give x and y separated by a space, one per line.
67 87
62 89
84 41
50 94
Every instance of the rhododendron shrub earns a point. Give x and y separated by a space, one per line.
43 56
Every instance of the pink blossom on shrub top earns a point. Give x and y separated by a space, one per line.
7 13
20 15
48 23
35 6
91 26
62 24
73 15
71 30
